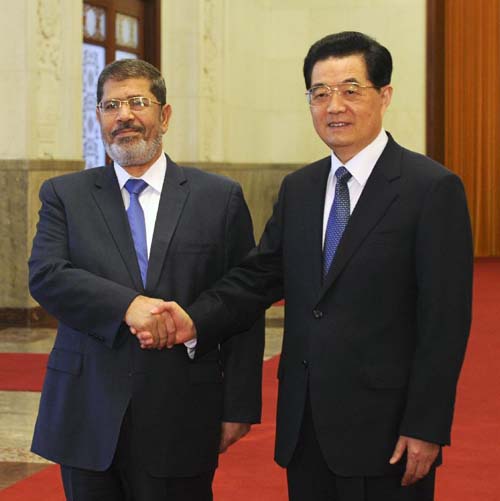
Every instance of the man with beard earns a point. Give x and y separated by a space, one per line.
110 243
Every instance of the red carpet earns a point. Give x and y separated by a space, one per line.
470 467
42 486
247 470
472 463
22 371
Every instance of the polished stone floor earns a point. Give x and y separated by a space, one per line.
18 408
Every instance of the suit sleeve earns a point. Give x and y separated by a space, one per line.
234 303
77 298
444 262
242 355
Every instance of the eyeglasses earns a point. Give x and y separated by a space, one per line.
319 95
136 103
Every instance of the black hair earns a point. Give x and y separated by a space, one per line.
347 43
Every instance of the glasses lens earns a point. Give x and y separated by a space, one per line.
319 95
138 103
111 106
349 91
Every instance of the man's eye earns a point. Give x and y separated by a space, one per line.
111 105
137 102
320 94
352 90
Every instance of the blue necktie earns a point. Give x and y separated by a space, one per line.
337 220
137 224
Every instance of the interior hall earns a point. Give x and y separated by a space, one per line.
233 71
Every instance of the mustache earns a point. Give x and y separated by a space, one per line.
135 128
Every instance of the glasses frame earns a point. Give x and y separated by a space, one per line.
122 102
334 88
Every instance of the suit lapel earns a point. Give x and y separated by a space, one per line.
173 198
313 207
109 199
378 194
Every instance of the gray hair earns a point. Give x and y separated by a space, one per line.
133 68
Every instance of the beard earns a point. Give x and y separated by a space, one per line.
130 151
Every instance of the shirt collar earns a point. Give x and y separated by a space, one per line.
361 165
154 176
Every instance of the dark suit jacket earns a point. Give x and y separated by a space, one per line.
84 271
380 342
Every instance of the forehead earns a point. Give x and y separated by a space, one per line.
127 88
339 69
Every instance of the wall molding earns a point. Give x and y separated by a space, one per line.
35 317
41 165
240 166
435 81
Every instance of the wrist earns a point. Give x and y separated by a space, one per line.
129 311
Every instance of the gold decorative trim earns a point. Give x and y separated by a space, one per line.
252 167
26 317
41 165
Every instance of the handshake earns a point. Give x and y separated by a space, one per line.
158 324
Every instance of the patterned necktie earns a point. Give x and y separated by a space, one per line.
337 220
137 224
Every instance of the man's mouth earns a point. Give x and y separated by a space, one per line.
126 130
337 124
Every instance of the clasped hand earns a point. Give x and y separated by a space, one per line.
158 324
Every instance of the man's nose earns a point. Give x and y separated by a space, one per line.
336 103
124 113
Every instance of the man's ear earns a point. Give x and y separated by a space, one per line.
166 113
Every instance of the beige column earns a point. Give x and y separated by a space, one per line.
40 85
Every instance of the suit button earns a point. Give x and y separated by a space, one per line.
305 363
317 314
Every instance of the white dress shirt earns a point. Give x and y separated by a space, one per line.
360 166
149 199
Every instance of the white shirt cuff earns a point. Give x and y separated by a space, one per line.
191 348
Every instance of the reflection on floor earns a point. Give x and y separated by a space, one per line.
18 408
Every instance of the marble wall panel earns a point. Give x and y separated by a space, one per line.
20 181
260 185
13 245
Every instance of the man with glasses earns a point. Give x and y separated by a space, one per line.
126 423
371 249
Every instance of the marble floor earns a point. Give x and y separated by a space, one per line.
18 408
